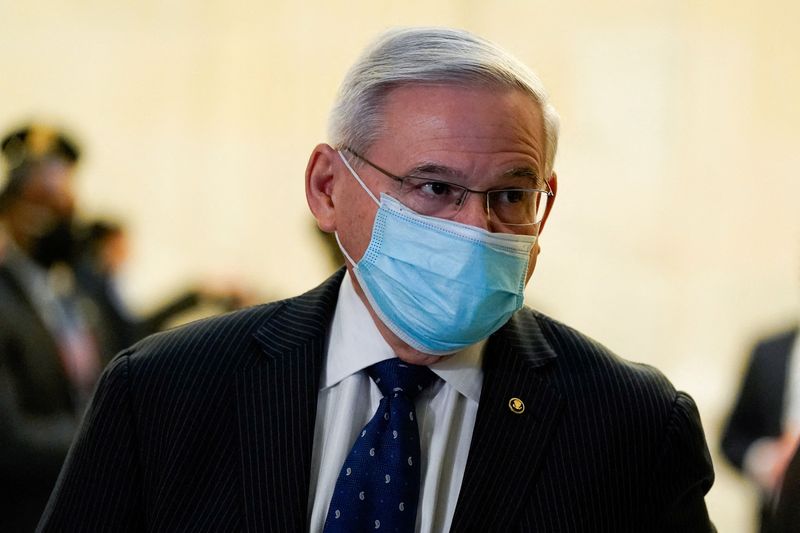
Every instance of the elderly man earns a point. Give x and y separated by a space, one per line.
411 391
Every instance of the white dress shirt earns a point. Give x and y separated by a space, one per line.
348 398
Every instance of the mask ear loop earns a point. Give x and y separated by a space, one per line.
341 247
358 179
363 186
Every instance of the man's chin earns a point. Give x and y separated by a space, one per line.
415 357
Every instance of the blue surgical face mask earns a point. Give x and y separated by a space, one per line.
439 285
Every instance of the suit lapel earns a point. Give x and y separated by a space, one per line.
276 408
507 445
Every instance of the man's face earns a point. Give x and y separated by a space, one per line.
481 138
49 188
41 213
485 137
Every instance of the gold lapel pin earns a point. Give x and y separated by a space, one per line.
516 405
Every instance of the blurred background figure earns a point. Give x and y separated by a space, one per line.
103 251
61 314
762 432
50 356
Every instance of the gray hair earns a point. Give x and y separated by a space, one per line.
428 55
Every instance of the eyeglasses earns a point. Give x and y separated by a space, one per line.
443 199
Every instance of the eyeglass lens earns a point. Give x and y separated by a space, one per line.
442 199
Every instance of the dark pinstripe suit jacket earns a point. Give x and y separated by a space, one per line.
210 427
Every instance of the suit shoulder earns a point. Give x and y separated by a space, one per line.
582 357
203 344
217 345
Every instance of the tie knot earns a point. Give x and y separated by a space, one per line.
393 375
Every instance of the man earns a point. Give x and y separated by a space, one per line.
764 426
49 359
437 181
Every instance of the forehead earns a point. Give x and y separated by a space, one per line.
474 128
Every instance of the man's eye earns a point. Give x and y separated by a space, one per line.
511 196
430 188
436 188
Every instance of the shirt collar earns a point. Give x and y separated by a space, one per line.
355 343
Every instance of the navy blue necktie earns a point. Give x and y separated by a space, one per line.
378 486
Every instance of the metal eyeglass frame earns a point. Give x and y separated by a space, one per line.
465 190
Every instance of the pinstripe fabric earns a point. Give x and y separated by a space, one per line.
206 428
604 445
210 428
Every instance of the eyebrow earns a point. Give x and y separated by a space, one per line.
522 172
438 170
452 173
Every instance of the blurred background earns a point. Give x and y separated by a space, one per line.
674 239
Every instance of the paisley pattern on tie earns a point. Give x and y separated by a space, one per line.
378 486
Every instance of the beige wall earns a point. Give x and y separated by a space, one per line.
675 235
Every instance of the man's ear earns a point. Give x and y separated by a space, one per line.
553 182
320 174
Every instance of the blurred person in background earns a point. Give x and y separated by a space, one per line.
61 314
103 251
764 426
50 355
